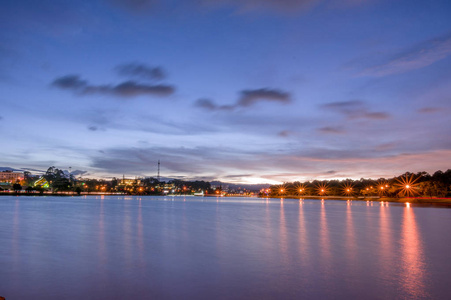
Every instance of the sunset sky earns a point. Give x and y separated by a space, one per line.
251 91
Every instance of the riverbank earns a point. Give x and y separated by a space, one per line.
413 200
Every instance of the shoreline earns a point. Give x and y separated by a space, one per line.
412 200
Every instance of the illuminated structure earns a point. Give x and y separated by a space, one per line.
42 182
10 176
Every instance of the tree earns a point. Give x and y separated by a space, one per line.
17 187
78 190
57 179
432 189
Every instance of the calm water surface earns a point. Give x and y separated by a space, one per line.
206 248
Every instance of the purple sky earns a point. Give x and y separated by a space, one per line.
235 90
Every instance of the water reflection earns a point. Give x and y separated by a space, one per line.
102 246
303 245
413 266
153 248
385 241
324 240
140 230
283 235
350 236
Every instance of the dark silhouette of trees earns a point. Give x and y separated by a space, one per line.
17 187
57 179
422 184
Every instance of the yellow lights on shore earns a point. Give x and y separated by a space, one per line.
301 189
407 185
382 187
322 188
348 188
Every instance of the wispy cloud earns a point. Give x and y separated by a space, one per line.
240 6
429 110
258 5
210 105
284 133
137 5
355 109
140 6
249 98
125 89
141 71
419 56
191 161
331 130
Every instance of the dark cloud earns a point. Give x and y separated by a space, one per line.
206 104
210 105
355 109
331 130
239 176
248 98
78 172
417 57
251 97
70 82
93 128
1 118
34 170
125 89
141 71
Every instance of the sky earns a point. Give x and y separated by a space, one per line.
244 91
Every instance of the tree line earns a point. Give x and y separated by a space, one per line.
421 184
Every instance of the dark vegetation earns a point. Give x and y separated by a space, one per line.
419 184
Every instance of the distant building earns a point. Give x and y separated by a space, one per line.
10 176
4 186
128 182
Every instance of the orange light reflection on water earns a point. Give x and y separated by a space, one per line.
283 238
350 237
303 246
325 239
413 266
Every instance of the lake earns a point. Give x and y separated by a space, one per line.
129 247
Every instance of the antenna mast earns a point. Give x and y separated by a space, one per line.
158 174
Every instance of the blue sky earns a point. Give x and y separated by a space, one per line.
241 91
